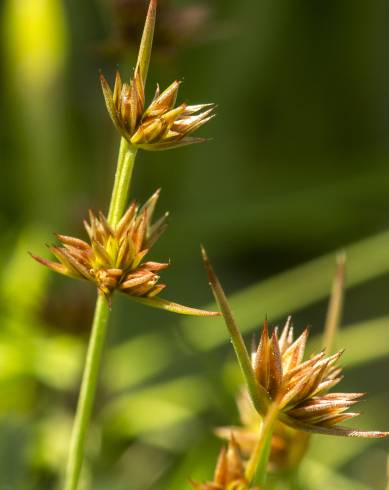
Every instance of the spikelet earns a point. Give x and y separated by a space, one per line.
301 388
162 125
229 473
114 257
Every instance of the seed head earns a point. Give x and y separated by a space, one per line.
161 125
277 375
113 258
300 388
229 472
288 445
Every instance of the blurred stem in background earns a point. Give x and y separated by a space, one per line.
36 49
387 473
335 306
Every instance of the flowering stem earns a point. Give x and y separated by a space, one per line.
258 462
387 473
125 165
118 202
87 393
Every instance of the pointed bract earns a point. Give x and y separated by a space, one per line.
161 126
258 393
167 305
288 445
229 473
300 387
146 43
113 259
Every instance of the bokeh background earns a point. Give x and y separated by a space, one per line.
297 169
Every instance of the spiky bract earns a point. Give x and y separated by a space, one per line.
113 259
288 445
229 472
300 388
161 125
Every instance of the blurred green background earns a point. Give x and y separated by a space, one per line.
298 168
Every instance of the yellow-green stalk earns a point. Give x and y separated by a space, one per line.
335 305
118 243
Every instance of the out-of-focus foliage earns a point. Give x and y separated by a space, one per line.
298 168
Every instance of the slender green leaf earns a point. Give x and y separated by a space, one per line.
292 290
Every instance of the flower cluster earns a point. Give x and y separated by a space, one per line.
300 388
160 126
289 396
288 445
229 472
113 259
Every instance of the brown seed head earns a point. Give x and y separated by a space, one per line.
114 257
300 387
229 472
160 126
288 445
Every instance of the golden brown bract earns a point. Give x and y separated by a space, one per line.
229 472
114 257
300 388
161 126
288 445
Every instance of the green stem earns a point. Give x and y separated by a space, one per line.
387 473
126 159
258 462
87 393
118 202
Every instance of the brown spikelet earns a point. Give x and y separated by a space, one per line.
161 125
229 473
301 387
288 445
113 259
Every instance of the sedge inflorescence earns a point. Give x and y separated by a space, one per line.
161 125
114 257
230 471
301 388
288 445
